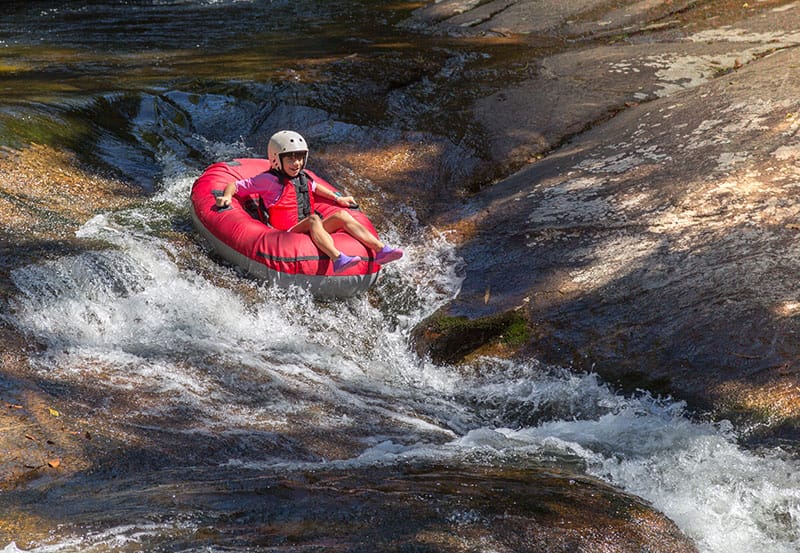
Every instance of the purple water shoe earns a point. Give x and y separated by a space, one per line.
388 254
344 262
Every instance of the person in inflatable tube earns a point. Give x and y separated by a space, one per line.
288 191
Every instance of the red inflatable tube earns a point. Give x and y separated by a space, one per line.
281 258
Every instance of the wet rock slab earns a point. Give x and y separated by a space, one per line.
413 508
656 241
577 17
37 442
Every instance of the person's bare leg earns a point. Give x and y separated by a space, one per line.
315 228
343 220
319 235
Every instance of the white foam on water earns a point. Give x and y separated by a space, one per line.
136 317
723 497
129 537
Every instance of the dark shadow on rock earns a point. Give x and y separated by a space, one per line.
662 258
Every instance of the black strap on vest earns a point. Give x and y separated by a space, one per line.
301 192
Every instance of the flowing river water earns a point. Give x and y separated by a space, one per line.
222 389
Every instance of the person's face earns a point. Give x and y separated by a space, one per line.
292 163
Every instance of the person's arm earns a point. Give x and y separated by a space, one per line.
227 194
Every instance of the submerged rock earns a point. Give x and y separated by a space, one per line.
404 508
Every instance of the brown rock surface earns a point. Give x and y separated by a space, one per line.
659 246
38 437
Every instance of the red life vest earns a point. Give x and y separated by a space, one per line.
295 203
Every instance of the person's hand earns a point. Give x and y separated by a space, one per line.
345 200
222 201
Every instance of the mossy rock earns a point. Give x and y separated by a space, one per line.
449 339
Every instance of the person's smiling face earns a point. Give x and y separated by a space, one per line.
292 163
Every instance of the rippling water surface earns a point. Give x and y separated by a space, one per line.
222 389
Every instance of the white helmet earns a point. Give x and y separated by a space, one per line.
283 142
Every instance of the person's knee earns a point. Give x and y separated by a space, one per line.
343 216
315 220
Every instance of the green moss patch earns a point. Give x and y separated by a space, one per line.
449 339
